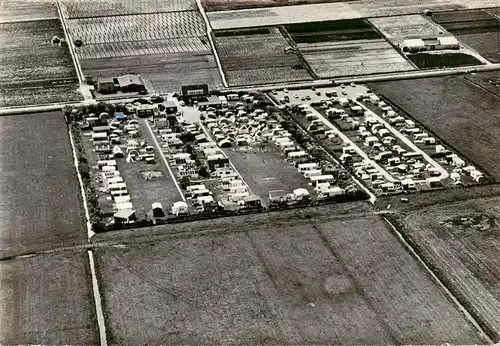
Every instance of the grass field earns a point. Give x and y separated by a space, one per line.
47 300
440 60
267 170
356 57
20 10
267 279
33 70
398 28
250 57
487 44
462 114
166 72
40 196
102 8
462 241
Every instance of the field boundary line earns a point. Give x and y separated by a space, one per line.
69 42
440 283
212 43
95 287
165 161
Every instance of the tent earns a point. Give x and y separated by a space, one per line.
120 116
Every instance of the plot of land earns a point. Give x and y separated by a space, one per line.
258 57
479 30
140 27
40 201
462 241
151 47
337 30
333 11
20 10
268 279
47 300
441 60
166 72
459 112
355 57
103 8
399 28
224 5
32 66
266 170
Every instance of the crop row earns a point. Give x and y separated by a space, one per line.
121 49
266 75
350 58
137 27
100 8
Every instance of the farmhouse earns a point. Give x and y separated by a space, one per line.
131 83
432 43
106 85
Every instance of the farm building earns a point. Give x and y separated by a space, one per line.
157 210
106 85
131 83
194 92
432 43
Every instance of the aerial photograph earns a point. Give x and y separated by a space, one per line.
249 172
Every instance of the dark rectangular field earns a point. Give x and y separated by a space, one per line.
47 300
461 113
40 203
294 277
165 72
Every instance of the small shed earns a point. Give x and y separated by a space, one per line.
179 208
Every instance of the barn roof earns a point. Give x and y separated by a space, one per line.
130 79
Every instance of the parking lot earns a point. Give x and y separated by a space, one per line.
298 97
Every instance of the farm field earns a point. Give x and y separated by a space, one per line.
337 30
487 80
462 240
250 57
151 47
441 60
478 29
139 27
166 72
102 8
266 170
315 279
21 10
28 54
225 5
33 70
463 115
40 203
332 11
397 29
355 57
47 299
